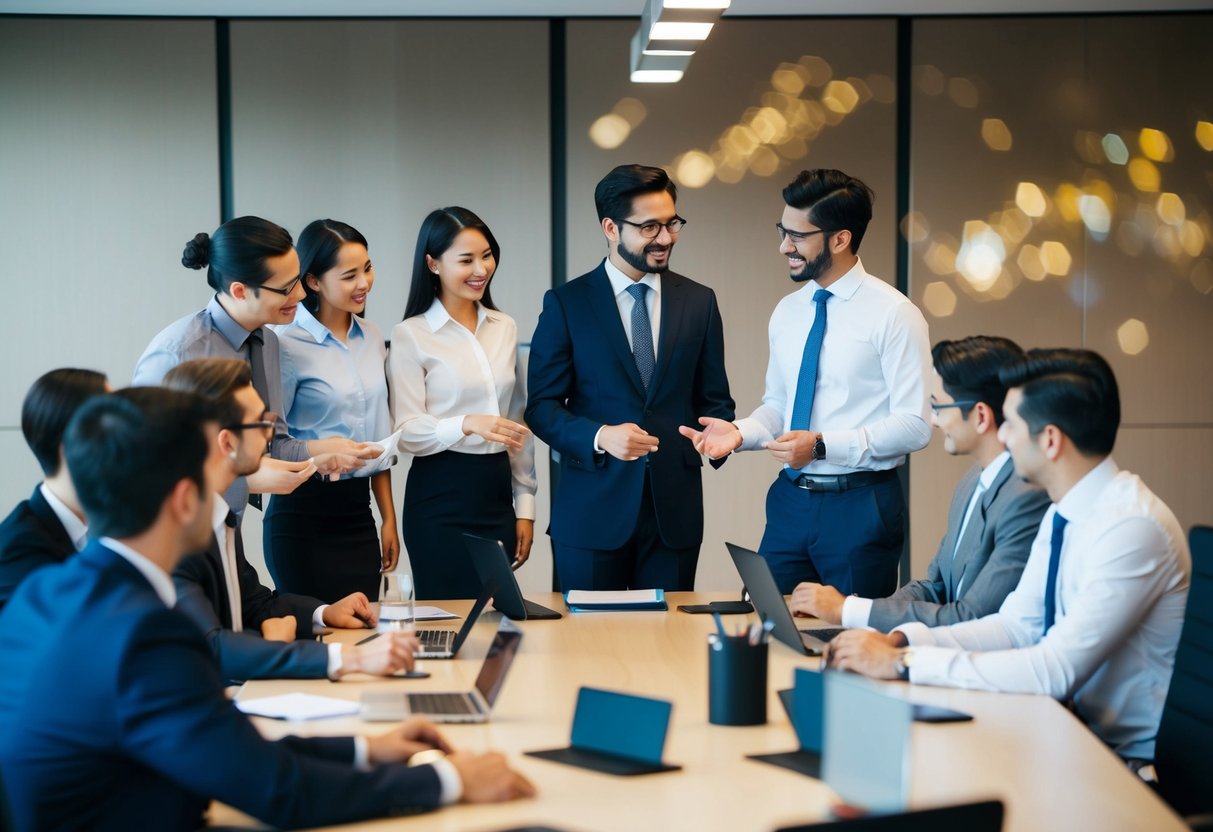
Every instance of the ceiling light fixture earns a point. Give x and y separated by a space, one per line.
670 32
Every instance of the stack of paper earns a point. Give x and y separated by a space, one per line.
589 600
298 706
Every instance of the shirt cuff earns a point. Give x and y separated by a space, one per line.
318 619
839 450
753 434
916 633
524 506
448 776
449 430
597 448
856 611
362 754
334 661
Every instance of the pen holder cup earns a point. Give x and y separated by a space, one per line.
737 681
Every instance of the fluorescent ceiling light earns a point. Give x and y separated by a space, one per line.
656 76
680 31
696 4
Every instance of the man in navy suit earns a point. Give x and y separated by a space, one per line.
49 526
621 358
256 632
112 713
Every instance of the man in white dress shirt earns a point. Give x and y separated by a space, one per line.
1098 612
845 400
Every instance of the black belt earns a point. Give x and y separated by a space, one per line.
841 482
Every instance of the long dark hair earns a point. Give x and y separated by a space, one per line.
318 247
437 234
236 252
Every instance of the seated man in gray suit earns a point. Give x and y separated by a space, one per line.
994 514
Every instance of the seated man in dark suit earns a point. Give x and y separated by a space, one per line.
112 712
994 514
49 526
245 622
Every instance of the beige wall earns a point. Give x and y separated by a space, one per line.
109 162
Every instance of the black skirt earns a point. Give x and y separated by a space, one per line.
450 493
321 540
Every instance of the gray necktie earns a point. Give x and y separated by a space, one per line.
642 333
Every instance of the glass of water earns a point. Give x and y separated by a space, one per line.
397 606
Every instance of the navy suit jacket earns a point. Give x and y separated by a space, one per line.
30 537
582 376
112 716
202 595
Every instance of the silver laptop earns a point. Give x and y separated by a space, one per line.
464 706
444 643
769 604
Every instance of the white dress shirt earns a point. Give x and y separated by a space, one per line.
1122 585
871 403
161 583
73 525
624 300
439 373
225 537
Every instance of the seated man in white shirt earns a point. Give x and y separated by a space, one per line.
1098 612
246 624
994 513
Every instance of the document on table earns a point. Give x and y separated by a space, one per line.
298 706
588 600
424 613
386 459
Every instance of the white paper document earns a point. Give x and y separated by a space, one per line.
424 613
622 596
386 459
298 706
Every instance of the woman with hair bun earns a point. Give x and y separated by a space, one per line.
320 540
458 395
253 269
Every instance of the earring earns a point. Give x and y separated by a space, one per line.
232 455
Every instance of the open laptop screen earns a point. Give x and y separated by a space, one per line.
497 662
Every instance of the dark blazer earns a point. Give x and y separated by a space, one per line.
990 558
202 595
30 537
582 376
112 716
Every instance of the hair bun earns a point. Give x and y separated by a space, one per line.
197 253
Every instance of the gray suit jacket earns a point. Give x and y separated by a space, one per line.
990 558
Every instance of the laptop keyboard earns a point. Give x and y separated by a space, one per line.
440 703
435 641
823 635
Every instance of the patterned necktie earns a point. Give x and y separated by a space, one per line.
806 384
1059 534
642 333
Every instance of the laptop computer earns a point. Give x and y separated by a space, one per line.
444 643
768 601
461 706
492 563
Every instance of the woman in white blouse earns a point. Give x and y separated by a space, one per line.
321 539
458 395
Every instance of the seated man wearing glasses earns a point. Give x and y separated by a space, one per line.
994 514
251 629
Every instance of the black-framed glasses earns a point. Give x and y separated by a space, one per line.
286 290
798 236
963 403
652 228
266 423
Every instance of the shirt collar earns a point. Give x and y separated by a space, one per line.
219 516
437 316
620 281
157 577
991 471
310 324
844 287
1080 499
73 525
235 334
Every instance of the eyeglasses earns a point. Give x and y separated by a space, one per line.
266 423
286 290
938 406
797 236
652 228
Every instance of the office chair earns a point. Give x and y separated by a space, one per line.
1185 730
985 816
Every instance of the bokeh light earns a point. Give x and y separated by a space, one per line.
790 78
1030 199
1095 215
1155 145
939 299
1115 150
940 256
1055 258
840 97
915 227
1204 135
1144 175
963 93
996 134
1030 264
1202 276
929 79
610 131
1133 336
632 109
820 71
694 169
981 255
1170 209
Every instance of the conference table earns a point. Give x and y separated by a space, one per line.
1028 751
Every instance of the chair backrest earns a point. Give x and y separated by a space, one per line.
966 817
1185 731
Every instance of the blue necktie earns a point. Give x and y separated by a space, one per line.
806 384
1059 534
642 333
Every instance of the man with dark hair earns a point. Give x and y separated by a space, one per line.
994 514
1096 617
621 357
845 401
49 526
219 589
114 716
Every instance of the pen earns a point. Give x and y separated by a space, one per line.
719 625
366 622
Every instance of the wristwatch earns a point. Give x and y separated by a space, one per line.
904 660
819 448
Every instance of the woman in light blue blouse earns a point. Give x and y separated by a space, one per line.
321 539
